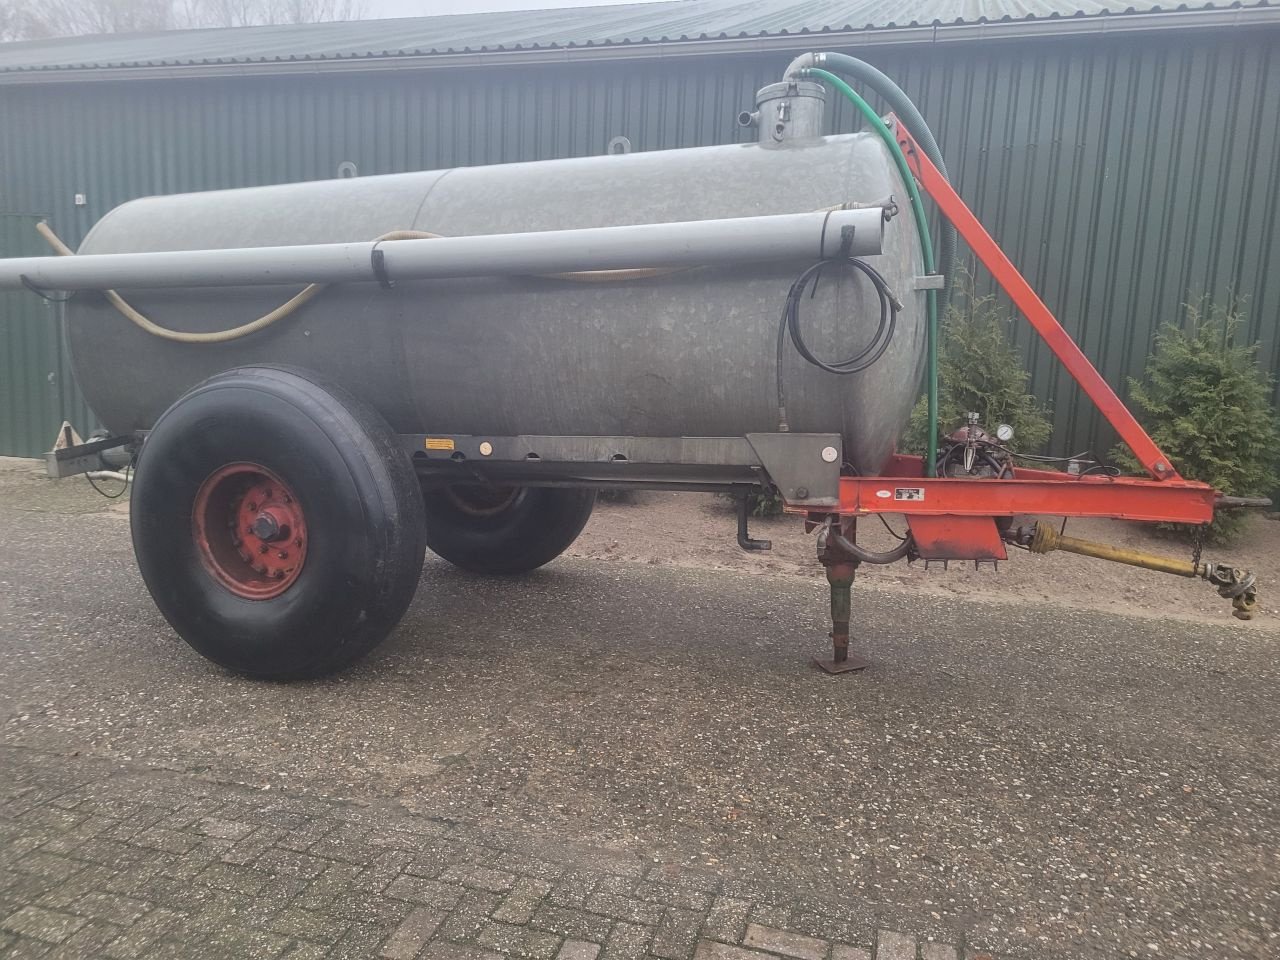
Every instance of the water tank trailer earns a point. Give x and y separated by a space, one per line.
473 353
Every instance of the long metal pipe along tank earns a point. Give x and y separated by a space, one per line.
683 243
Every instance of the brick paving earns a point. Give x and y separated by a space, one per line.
120 862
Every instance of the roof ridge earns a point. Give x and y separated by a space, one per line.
564 29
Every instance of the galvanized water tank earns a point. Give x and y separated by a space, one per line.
688 353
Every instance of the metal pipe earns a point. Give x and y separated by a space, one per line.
802 62
691 243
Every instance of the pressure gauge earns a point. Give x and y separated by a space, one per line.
1004 433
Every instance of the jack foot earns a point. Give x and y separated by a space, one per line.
840 573
849 664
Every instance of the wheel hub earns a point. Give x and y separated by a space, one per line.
250 531
482 501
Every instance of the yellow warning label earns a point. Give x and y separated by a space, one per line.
438 443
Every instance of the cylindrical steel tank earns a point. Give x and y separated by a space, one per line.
685 353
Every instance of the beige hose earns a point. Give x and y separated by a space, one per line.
311 290
218 336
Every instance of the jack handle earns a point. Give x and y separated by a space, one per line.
1238 586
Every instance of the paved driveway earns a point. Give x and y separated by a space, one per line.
631 760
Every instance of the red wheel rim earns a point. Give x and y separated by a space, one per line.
249 530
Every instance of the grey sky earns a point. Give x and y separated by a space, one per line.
428 8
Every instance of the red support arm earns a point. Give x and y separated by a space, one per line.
1122 498
1033 308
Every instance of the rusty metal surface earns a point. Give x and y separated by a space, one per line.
841 570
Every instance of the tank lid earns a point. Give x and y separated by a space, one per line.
791 88
788 110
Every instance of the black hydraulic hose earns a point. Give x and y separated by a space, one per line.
790 324
900 104
869 556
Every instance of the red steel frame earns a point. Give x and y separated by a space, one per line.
905 489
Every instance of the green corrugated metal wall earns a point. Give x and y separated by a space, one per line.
1126 176
37 392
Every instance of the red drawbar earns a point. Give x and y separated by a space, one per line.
1044 492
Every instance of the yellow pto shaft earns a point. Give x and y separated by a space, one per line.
1239 586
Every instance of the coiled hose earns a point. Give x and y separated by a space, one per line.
790 324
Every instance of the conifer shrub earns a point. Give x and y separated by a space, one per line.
1207 404
980 370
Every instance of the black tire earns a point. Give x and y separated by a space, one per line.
355 493
504 530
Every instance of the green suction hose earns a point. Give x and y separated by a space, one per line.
926 246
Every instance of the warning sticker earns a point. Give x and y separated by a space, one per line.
908 493
438 443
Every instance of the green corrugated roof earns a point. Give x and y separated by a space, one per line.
560 29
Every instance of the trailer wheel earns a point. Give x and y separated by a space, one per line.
276 523
504 530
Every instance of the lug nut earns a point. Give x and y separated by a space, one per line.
265 527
